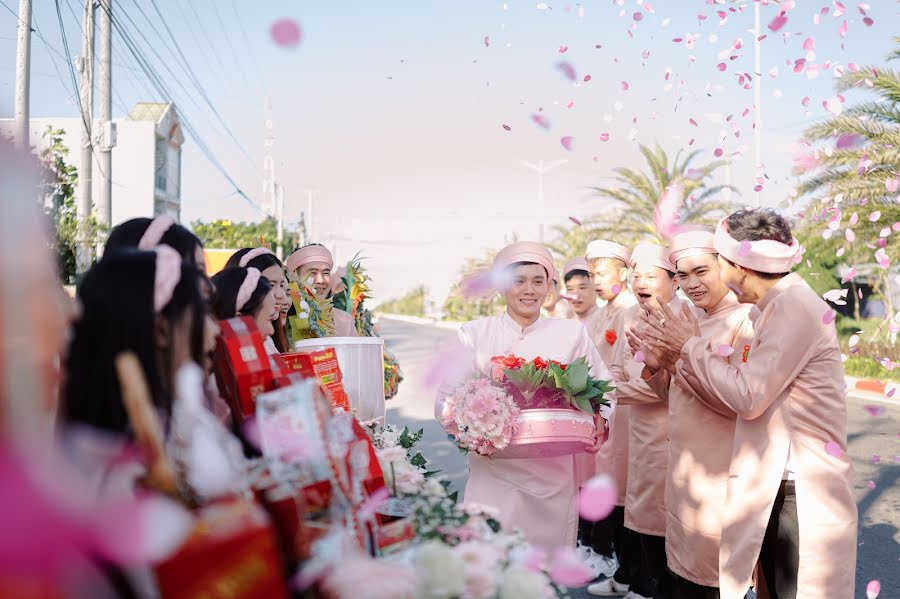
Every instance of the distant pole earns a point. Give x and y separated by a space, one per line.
85 174
309 213
104 205
757 99
279 194
542 169
23 75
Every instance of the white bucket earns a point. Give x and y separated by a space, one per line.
362 368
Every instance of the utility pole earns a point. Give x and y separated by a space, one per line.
23 75
309 213
85 65
542 169
107 128
302 239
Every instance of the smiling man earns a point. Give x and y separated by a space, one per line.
535 495
700 436
313 263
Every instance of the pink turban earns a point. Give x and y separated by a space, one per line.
765 255
525 251
308 254
574 264
607 249
691 243
649 254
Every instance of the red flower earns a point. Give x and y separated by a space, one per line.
508 361
540 363
561 365
611 336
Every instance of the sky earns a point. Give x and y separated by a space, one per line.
409 122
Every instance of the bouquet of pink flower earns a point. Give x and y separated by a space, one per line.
480 416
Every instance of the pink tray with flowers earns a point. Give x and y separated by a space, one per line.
525 409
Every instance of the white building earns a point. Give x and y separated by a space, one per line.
146 161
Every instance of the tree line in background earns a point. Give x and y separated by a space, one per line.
227 234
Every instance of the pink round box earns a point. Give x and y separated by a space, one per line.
547 433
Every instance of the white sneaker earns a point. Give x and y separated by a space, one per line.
608 565
633 595
608 588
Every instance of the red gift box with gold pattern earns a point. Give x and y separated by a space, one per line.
323 366
243 369
231 553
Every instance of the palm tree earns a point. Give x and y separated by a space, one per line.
867 151
642 199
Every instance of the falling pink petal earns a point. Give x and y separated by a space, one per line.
535 559
575 220
507 127
625 86
854 218
805 101
563 49
875 411
541 120
718 152
721 66
890 392
567 142
285 32
693 122
597 498
725 350
809 44
645 54
586 78
843 30
828 317
487 41
868 21
778 22
743 248
568 569
833 105
876 459
871 484
373 502
567 70
639 357
892 184
637 16
839 9
616 289
851 274
448 364
873 589
833 449
896 227
847 140
604 136
850 235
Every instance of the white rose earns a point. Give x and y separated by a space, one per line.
390 437
407 477
442 573
519 583
388 456
433 487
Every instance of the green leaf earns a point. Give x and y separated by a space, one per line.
584 405
577 375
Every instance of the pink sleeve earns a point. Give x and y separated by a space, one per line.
659 383
780 349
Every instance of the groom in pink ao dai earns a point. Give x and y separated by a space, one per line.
790 492
536 495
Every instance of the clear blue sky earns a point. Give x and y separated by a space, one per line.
393 111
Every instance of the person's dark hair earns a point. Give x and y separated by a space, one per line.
755 224
261 262
577 273
128 234
116 296
224 298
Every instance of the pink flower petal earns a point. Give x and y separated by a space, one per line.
563 49
718 152
575 220
487 41
847 140
568 569
373 502
828 317
604 136
833 105
873 589
743 248
833 449
586 78
721 66
639 357
725 350
567 70
843 30
285 32
809 44
597 498
778 22
541 120
876 459
875 411
892 184
637 16
625 86
871 484
567 142
507 127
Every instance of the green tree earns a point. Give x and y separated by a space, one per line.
60 180
226 234
458 307
637 194
851 167
411 304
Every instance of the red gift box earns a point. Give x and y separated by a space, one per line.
394 536
243 369
231 553
323 366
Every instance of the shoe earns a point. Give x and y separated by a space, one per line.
608 565
608 588
633 595
590 559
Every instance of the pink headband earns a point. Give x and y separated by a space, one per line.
607 249
765 255
649 254
251 280
310 253
691 243
525 251
574 264
155 231
254 253
166 277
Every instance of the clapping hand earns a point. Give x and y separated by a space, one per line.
669 330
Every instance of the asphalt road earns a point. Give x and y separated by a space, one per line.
874 447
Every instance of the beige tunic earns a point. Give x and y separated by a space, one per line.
647 446
790 400
700 441
344 325
612 459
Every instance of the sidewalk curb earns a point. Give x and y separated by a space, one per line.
876 390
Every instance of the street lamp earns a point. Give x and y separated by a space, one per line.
542 168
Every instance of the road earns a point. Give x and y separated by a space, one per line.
874 448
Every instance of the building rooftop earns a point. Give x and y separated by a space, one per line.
148 111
